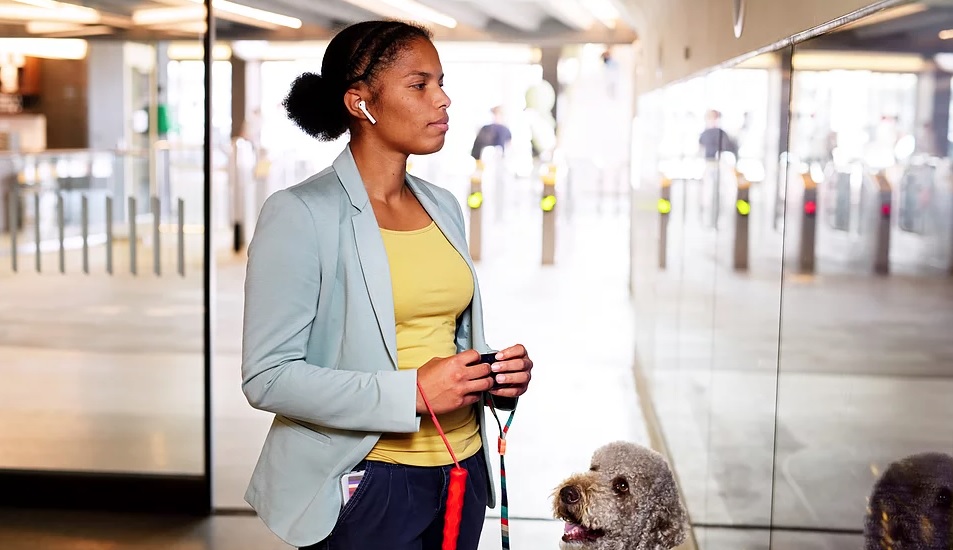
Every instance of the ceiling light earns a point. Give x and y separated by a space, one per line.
49 48
406 9
255 13
603 10
573 13
225 10
74 14
54 5
184 28
161 16
946 35
65 30
43 27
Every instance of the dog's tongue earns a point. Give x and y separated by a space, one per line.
574 532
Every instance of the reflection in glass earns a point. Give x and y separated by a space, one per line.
710 154
785 386
864 372
911 505
101 250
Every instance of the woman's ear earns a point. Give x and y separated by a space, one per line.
357 106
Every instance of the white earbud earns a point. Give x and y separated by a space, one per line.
363 107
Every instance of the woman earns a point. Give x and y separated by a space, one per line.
361 299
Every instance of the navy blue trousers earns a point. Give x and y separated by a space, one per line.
402 507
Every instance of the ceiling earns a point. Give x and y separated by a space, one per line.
914 28
540 22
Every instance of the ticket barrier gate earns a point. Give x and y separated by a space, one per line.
742 213
839 209
664 209
882 225
711 193
547 203
740 247
808 241
923 212
874 224
475 204
916 187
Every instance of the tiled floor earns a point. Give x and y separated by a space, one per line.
111 368
114 365
782 396
84 531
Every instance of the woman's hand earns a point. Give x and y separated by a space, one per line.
513 370
449 383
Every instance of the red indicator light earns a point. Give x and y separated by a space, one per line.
810 208
885 210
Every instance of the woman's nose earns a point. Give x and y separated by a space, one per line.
443 101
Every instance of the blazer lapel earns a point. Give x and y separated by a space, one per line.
376 269
371 253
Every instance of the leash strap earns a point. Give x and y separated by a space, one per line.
501 448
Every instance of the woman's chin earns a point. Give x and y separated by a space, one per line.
427 148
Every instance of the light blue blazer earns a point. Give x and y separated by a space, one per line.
320 346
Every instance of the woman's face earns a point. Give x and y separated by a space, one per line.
410 105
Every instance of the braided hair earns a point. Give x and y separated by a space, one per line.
358 53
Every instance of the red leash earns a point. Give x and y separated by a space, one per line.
456 490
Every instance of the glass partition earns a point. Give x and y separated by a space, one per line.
865 362
793 287
103 273
707 282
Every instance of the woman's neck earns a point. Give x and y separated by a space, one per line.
382 169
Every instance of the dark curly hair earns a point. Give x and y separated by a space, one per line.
358 53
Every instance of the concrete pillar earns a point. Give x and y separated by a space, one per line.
108 94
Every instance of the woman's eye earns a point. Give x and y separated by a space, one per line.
420 86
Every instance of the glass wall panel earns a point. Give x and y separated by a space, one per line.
866 356
706 285
746 260
797 347
101 245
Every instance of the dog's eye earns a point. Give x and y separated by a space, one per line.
593 468
944 498
620 486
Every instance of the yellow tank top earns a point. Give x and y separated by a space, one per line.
432 286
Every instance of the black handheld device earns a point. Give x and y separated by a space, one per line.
489 359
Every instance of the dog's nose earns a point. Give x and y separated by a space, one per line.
569 495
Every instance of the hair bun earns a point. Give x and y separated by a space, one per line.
310 105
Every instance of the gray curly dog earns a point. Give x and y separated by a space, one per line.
627 500
911 505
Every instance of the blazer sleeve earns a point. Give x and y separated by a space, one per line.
282 285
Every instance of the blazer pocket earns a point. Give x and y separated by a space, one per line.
303 429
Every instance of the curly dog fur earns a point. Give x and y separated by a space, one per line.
627 500
911 505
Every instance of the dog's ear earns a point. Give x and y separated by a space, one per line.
892 518
886 524
669 525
